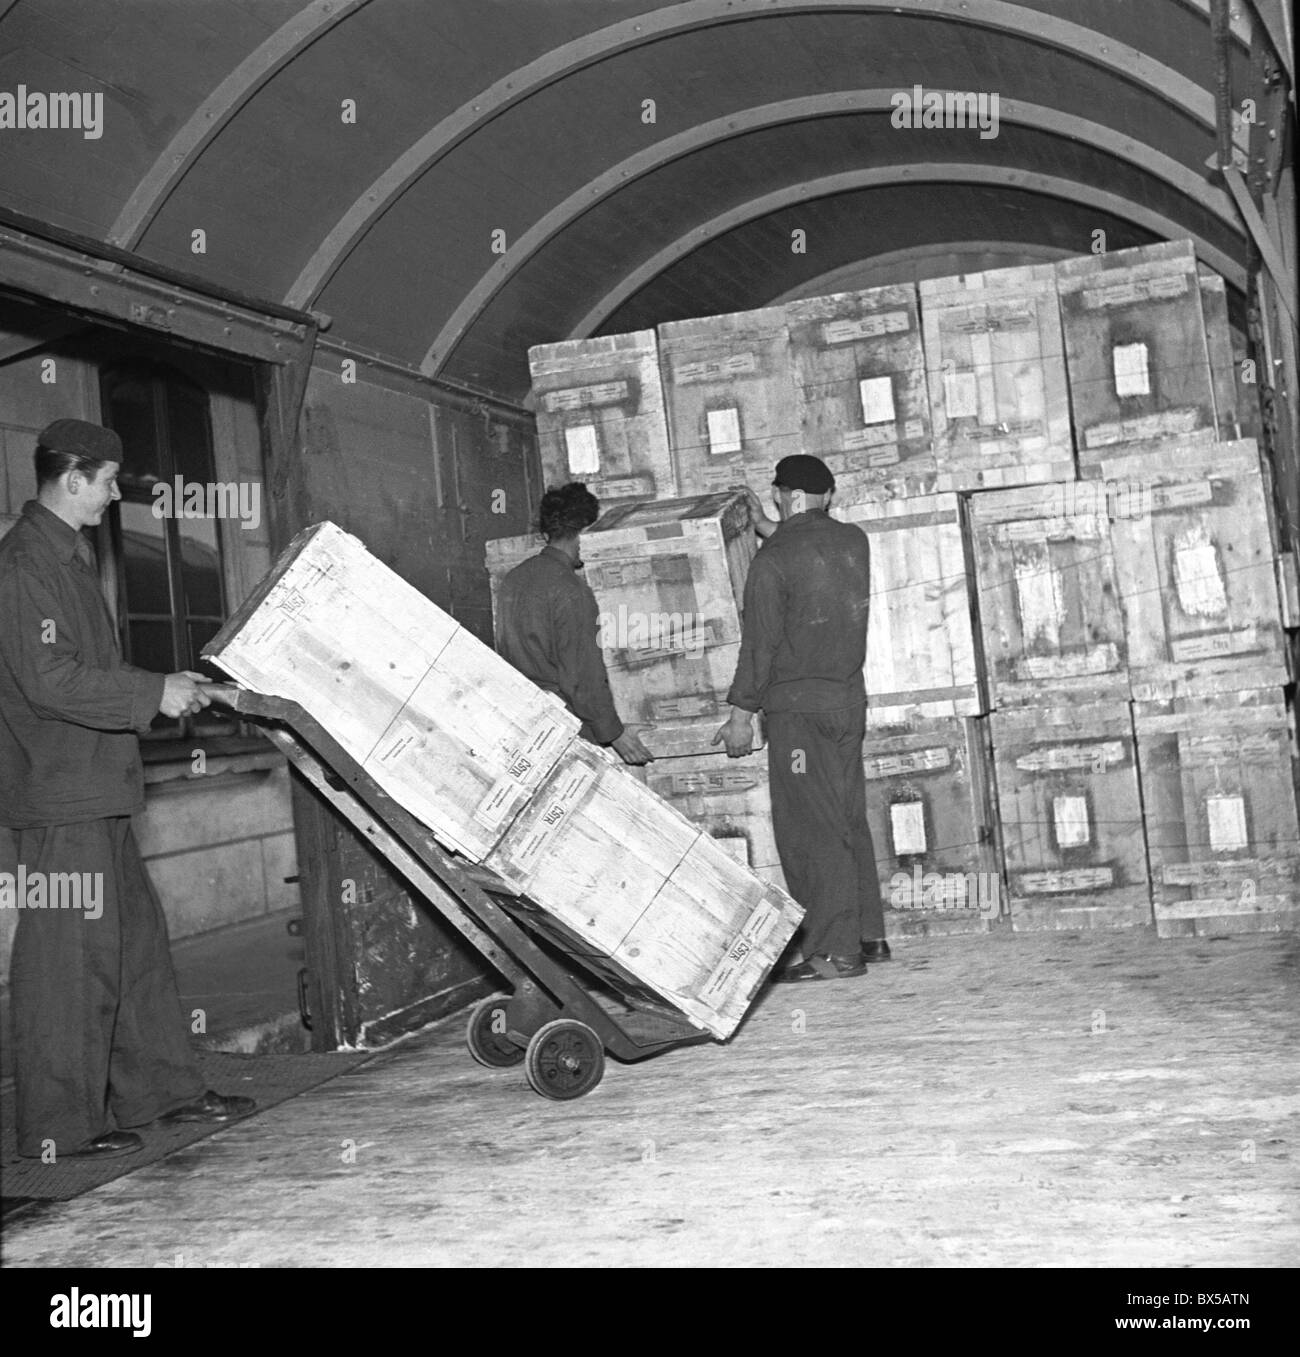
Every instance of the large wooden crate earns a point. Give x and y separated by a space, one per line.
1135 348
1048 596
1071 817
863 404
921 657
669 578
933 826
620 875
730 395
1197 572
600 416
995 365
434 716
727 798
1219 797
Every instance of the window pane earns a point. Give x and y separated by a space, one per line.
131 413
151 645
188 433
144 563
201 567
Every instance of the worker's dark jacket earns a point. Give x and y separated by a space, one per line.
805 634
547 625
68 703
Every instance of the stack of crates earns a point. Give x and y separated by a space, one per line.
1073 562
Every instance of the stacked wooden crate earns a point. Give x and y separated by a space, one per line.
729 392
493 766
669 577
600 416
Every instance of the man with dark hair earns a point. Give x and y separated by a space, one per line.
802 649
547 622
100 1044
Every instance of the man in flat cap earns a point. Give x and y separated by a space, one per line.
100 1043
802 650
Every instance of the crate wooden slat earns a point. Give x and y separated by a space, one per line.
730 396
437 719
1197 573
1219 796
600 416
668 577
1218 343
1135 348
921 657
727 798
932 822
995 367
629 878
1071 817
1048 595
864 407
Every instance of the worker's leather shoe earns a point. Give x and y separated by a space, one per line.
876 949
109 1144
822 968
211 1107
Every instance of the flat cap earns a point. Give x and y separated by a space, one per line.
802 472
81 439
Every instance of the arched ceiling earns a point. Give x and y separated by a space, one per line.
528 118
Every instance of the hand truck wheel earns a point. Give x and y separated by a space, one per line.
565 1059
486 1036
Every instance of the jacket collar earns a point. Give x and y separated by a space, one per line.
62 537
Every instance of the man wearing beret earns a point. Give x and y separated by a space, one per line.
802 649
100 1043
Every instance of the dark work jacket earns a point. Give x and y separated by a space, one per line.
804 640
547 623
69 705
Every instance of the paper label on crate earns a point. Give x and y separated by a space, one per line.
1006 436
880 444
876 395
1102 659
961 398
724 432
1078 879
1166 424
1182 496
1215 646
729 970
943 891
686 708
582 449
1041 601
868 327
907 827
1129 291
1058 528
723 782
1227 822
623 487
1130 366
503 795
932 760
580 397
1197 577
563 800
714 369
1094 757
1070 820
1208 750
1209 873
991 318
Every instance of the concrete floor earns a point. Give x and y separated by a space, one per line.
1071 1100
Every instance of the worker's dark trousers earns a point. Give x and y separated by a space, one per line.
99 1037
819 817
